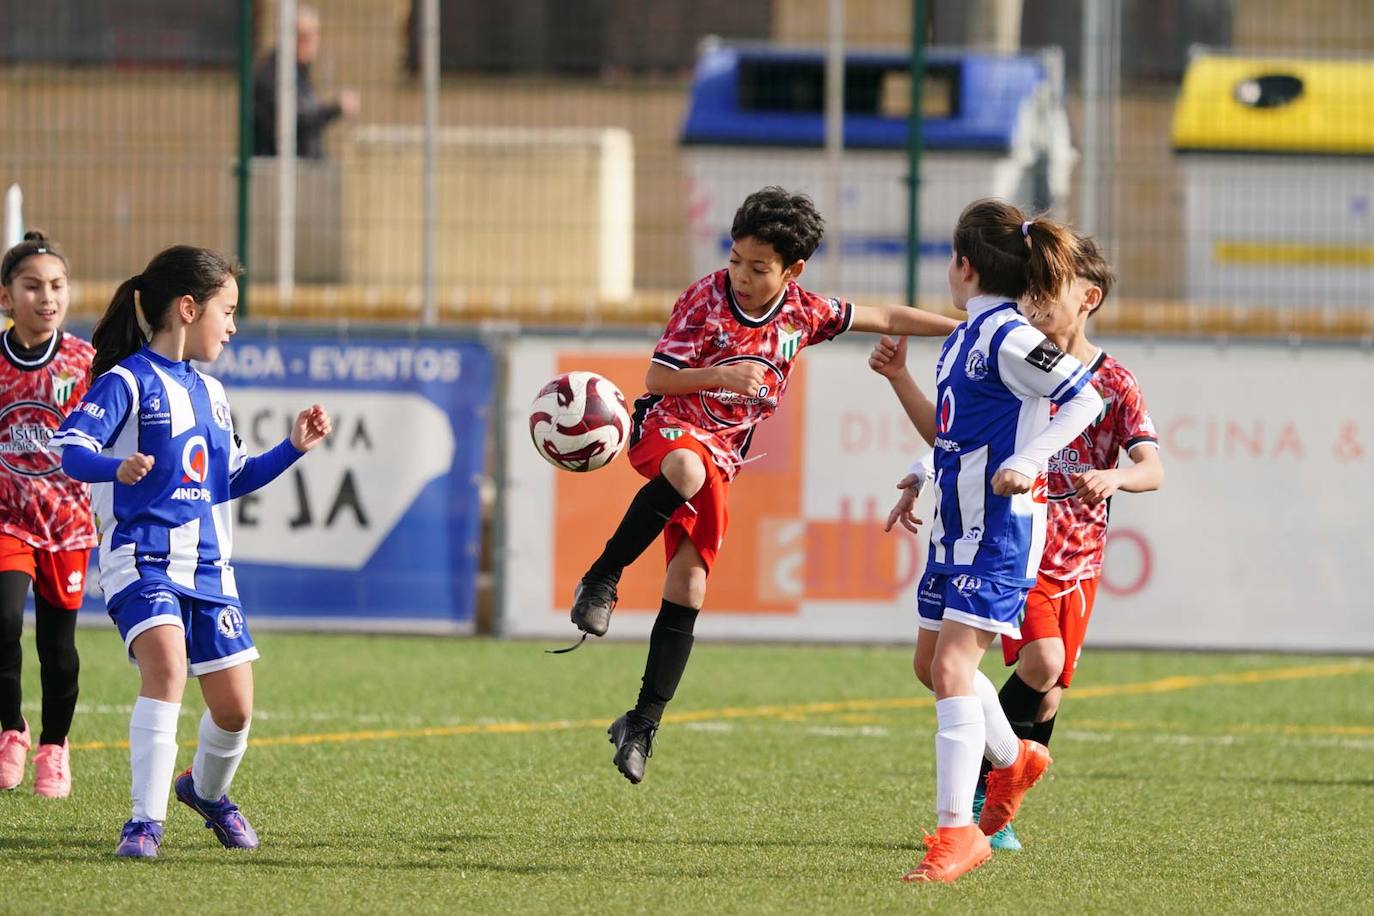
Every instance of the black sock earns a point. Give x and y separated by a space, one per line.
649 512
1042 730
14 586
59 666
1021 703
670 644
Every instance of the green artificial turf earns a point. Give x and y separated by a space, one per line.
395 774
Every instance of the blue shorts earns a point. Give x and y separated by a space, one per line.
974 602
216 634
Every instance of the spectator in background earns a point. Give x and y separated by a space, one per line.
312 115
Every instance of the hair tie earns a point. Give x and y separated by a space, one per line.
40 250
1025 228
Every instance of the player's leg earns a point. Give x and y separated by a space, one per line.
15 739
221 653
1075 611
1034 654
958 846
55 629
670 645
676 474
223 740
157 642
993 608
57 593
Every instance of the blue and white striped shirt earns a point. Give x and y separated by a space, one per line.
996 378
173 526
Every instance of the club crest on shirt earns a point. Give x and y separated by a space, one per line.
63 384
223 420
670 433
1107 399
789 342
976 366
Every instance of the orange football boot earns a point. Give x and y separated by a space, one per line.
951 853
1007 787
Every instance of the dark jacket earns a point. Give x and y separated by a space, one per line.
311 116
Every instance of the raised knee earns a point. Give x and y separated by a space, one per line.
683 469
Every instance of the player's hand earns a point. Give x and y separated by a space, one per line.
1096 486
904 511
888 358
310 428
350 102
747 377
134 468
1009 483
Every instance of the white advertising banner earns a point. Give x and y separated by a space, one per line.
1258 540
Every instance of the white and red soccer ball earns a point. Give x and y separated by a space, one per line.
579 421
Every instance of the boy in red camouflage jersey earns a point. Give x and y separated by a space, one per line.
718 371
1082 479
46 529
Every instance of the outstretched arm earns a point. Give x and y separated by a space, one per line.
888 359
901 319
309 430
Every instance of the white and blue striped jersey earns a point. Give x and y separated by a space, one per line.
995 380
173 526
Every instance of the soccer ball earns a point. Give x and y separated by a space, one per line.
579 421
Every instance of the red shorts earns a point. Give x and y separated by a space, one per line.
1055 609
58 575
704 518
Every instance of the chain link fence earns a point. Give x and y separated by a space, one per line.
589 153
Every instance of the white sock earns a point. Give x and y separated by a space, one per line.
217 757
1002 744
152 756
958 755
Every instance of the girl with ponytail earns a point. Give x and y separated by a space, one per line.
155 438
990 423
46 530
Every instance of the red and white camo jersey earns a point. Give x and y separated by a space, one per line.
39 504
707 328
1077 532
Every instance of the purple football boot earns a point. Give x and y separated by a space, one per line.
139 840
231 828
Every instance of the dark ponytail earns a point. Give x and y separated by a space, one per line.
146 299
35 242
1016 255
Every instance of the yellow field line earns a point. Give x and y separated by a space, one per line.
792 710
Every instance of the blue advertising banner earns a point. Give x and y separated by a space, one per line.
379 527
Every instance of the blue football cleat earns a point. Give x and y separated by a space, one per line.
1005 839
139 840
231 828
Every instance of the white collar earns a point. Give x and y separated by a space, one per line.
977 305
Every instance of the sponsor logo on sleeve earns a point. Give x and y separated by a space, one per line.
1046 356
